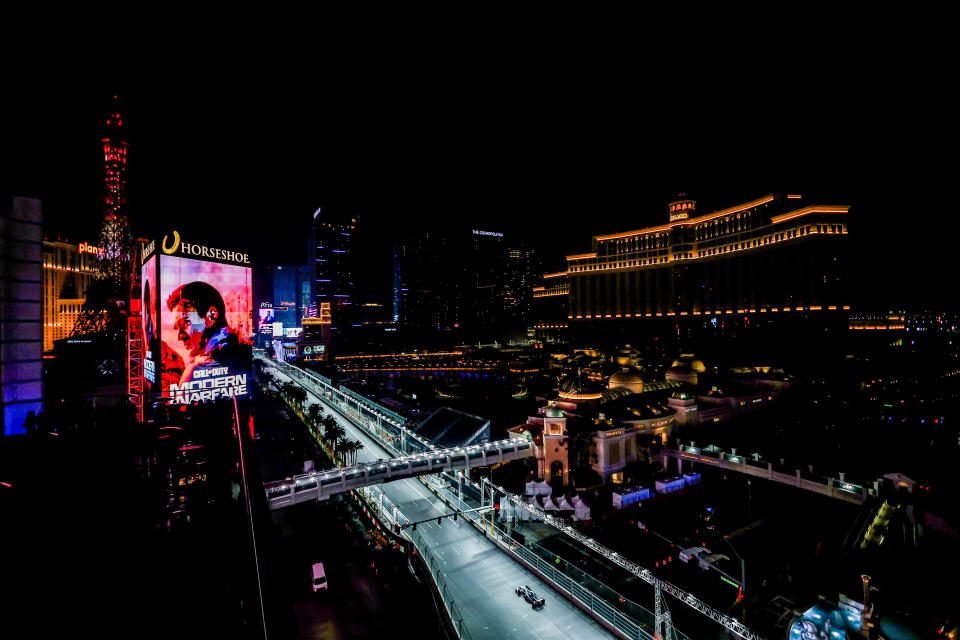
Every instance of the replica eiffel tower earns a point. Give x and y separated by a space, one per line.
107 295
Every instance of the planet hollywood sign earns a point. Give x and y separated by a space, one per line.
86 247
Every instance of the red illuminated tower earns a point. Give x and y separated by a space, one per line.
115 237
116 241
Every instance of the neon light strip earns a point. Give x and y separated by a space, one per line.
806 211
688 221
721 251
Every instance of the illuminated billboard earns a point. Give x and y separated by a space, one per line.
151 319
266 320
198 322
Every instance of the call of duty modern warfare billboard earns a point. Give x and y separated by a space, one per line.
197 320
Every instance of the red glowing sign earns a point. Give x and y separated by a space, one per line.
86 247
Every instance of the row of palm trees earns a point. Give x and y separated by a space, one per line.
324 428
330 433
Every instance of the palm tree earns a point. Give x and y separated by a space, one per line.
334 435
351 447
328 422
298 395
268 380
313 415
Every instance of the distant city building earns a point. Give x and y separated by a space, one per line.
398 291
521 274
775 254
331 266
315 343
461 278
21 295
367 313
291 293
551 300
893 321
68 269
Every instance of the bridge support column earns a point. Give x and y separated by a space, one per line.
657 612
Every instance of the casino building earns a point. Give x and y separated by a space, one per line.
68 269
773 255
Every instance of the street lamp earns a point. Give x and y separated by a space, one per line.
743 575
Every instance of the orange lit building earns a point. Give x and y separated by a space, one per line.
68 269
776 254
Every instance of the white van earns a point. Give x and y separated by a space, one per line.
319 577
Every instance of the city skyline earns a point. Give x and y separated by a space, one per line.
666 302
543 170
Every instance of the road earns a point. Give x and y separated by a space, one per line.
480 578
369 587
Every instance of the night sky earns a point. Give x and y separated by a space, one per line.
547 150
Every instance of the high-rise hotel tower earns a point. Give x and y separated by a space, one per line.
776 254
331 238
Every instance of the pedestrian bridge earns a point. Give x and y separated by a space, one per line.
320 485
753 465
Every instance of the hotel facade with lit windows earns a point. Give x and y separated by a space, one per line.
68 269
773 255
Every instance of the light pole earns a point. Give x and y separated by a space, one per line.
743 578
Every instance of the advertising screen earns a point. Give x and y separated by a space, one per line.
151 318
265 324
205 329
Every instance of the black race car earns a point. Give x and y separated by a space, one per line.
529 595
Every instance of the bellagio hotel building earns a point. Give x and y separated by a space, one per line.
773 255
68 270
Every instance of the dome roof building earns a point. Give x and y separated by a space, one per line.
579 388
553 411
627 357
682 373
628 378
690 360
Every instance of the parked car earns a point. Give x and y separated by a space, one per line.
319 577
529 595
